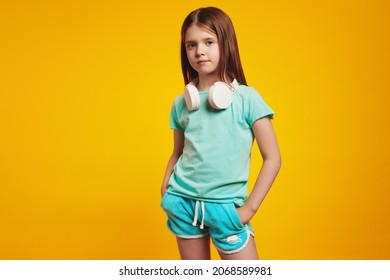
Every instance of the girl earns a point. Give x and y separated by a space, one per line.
214 122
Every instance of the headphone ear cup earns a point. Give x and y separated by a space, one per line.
220 96
191 97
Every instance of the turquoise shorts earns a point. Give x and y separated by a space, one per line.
189 218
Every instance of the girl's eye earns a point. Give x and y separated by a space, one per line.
190 45
209 43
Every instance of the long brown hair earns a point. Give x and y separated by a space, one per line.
218 22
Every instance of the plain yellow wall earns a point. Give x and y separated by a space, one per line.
85 93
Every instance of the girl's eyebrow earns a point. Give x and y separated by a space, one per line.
209 38
203 39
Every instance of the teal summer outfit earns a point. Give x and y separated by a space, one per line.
210 178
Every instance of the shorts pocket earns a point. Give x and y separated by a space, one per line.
235 217
164 201
171 204
223 216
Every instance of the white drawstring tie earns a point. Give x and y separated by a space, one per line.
196 214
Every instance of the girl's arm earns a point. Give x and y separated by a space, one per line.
268 145
178 144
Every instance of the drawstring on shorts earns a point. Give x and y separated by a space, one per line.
196 214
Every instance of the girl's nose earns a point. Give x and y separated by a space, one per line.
199 50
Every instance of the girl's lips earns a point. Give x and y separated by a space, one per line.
202 61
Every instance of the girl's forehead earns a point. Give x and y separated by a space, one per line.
196 31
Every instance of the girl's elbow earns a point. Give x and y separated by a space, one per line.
275 161
278 159
279 162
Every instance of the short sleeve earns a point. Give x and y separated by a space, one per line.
175 116
256 108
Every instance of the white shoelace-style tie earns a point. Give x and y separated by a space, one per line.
196 214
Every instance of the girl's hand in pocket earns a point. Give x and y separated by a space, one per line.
163 190
245 214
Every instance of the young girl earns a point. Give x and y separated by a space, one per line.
215 122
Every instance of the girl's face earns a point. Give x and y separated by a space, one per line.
202 51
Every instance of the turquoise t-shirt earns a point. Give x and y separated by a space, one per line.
215 162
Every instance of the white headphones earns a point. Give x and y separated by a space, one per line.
220 95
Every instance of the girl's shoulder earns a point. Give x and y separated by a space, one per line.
179 103
179 100
247 92
253 104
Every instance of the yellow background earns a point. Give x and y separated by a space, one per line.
86 88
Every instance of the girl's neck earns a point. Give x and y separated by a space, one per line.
205 82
